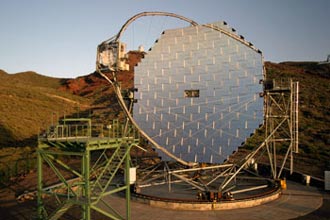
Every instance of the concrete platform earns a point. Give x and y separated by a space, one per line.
297 200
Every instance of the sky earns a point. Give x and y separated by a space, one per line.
58 38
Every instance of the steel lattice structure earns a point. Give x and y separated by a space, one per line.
179 67
99 160
204 71
221 67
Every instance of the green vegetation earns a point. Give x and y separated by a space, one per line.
314 104
314 113
29 103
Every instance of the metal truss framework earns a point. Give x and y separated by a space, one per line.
100 156
110 58
281 121
281 125
85 159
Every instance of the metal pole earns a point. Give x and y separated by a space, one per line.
169 182
86 207
128 188
291 126
39 192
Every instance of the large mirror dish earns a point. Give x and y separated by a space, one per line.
198 92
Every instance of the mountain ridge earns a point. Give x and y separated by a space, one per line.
32 99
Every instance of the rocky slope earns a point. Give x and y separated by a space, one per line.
31 102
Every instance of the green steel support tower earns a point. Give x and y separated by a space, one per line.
86 160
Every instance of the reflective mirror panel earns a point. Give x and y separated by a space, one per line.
198 93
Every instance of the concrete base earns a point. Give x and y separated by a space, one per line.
297 200
207 206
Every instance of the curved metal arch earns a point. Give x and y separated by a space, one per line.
152 13
117 87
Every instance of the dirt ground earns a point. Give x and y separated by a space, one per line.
12 209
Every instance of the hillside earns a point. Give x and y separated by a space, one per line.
104 102
29 103
314 117
314 113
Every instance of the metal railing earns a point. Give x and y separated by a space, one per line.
83 128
